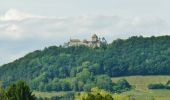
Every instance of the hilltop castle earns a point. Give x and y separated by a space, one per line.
95 42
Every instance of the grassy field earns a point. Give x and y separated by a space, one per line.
141 82
48 94
140 92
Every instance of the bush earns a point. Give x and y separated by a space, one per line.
121 86
95 94
157 86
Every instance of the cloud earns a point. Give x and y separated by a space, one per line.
11 31
24 32
20 25
16 15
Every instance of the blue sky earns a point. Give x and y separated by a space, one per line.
27 25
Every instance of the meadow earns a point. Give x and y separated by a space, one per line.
139 91
141 82
48 94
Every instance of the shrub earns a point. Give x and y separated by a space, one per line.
157 86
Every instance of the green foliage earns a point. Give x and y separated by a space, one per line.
81 65
159 86
122 85
104 82
168 83
18 91
88 86
156 86
2 94
84 75
95 94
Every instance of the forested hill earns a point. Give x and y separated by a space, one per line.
133 56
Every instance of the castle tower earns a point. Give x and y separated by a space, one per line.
94 38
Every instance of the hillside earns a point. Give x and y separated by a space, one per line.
55 66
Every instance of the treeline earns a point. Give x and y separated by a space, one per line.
83 65
83 80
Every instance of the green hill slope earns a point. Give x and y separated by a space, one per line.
134 56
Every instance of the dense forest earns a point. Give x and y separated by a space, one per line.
57 68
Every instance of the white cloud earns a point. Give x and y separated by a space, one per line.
16 15
18 25
14 31
11 31
12 28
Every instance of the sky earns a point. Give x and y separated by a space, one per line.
28 25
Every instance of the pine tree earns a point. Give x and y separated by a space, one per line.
19 91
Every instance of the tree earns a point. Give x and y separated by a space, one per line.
2 94
104 82
122 85
157 86
84 75
19 91
95 94
88 86
65 85
73 72
74 85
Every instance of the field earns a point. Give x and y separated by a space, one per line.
140 91
48 94
141 82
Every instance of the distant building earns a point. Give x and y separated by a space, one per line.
95 42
